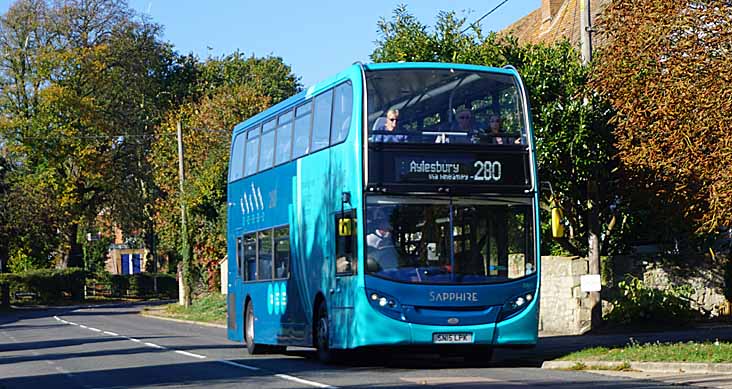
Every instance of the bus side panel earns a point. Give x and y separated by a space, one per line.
255 204
312 232
346 173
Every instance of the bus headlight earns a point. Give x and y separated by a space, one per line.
515 305
385 304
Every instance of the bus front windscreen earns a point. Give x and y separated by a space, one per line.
444 106
449 240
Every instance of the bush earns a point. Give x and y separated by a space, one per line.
640 305
137 285
48 285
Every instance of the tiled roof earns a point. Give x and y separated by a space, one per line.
534 28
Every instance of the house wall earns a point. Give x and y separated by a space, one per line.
223 268
114 259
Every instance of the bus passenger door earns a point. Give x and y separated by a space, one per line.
345 280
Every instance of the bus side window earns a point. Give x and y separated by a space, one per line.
236 167
345 241
282 252
342 107
239 257
303 119
252 151
264 265
284 138
250 257
321 120
267 146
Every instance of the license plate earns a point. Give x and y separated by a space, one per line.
460 337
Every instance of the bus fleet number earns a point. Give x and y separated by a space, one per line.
487 171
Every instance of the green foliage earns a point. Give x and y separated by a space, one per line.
135 285
95 254
640 305
706 352
50 285
69 91
228 91
727 274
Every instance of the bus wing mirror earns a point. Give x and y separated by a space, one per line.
557 216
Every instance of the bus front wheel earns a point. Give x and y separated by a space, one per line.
322 335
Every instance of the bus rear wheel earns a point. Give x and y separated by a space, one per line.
252 348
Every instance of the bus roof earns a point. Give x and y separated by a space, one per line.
352 72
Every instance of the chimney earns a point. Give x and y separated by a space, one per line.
549 9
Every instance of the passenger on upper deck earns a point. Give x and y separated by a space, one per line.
467 124
385 131
497 134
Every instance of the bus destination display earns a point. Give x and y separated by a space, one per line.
493 169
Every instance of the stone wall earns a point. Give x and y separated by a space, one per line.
563 306
703 274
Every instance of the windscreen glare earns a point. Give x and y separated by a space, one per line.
444 106
448 240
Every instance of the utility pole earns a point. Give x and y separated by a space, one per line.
585 31
185 297
593 213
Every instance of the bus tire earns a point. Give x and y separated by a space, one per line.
252 347
322 335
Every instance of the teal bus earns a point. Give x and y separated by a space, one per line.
392 205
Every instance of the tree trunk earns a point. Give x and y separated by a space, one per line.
74 257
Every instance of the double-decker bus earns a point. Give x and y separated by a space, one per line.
384 207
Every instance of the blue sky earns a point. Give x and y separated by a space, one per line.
317 38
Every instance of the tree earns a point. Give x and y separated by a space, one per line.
85 90
666 70
574 143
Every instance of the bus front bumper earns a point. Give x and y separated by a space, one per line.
372 328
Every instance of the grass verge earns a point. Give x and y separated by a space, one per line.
707 352
208 308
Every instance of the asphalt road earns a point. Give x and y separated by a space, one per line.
113 347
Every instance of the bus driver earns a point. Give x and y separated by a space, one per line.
381 245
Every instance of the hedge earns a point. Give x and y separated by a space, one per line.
135 285
46 285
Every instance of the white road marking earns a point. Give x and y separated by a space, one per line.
153 345
198 356
186 353
304 382
238 365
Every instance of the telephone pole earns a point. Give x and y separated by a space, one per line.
593 213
